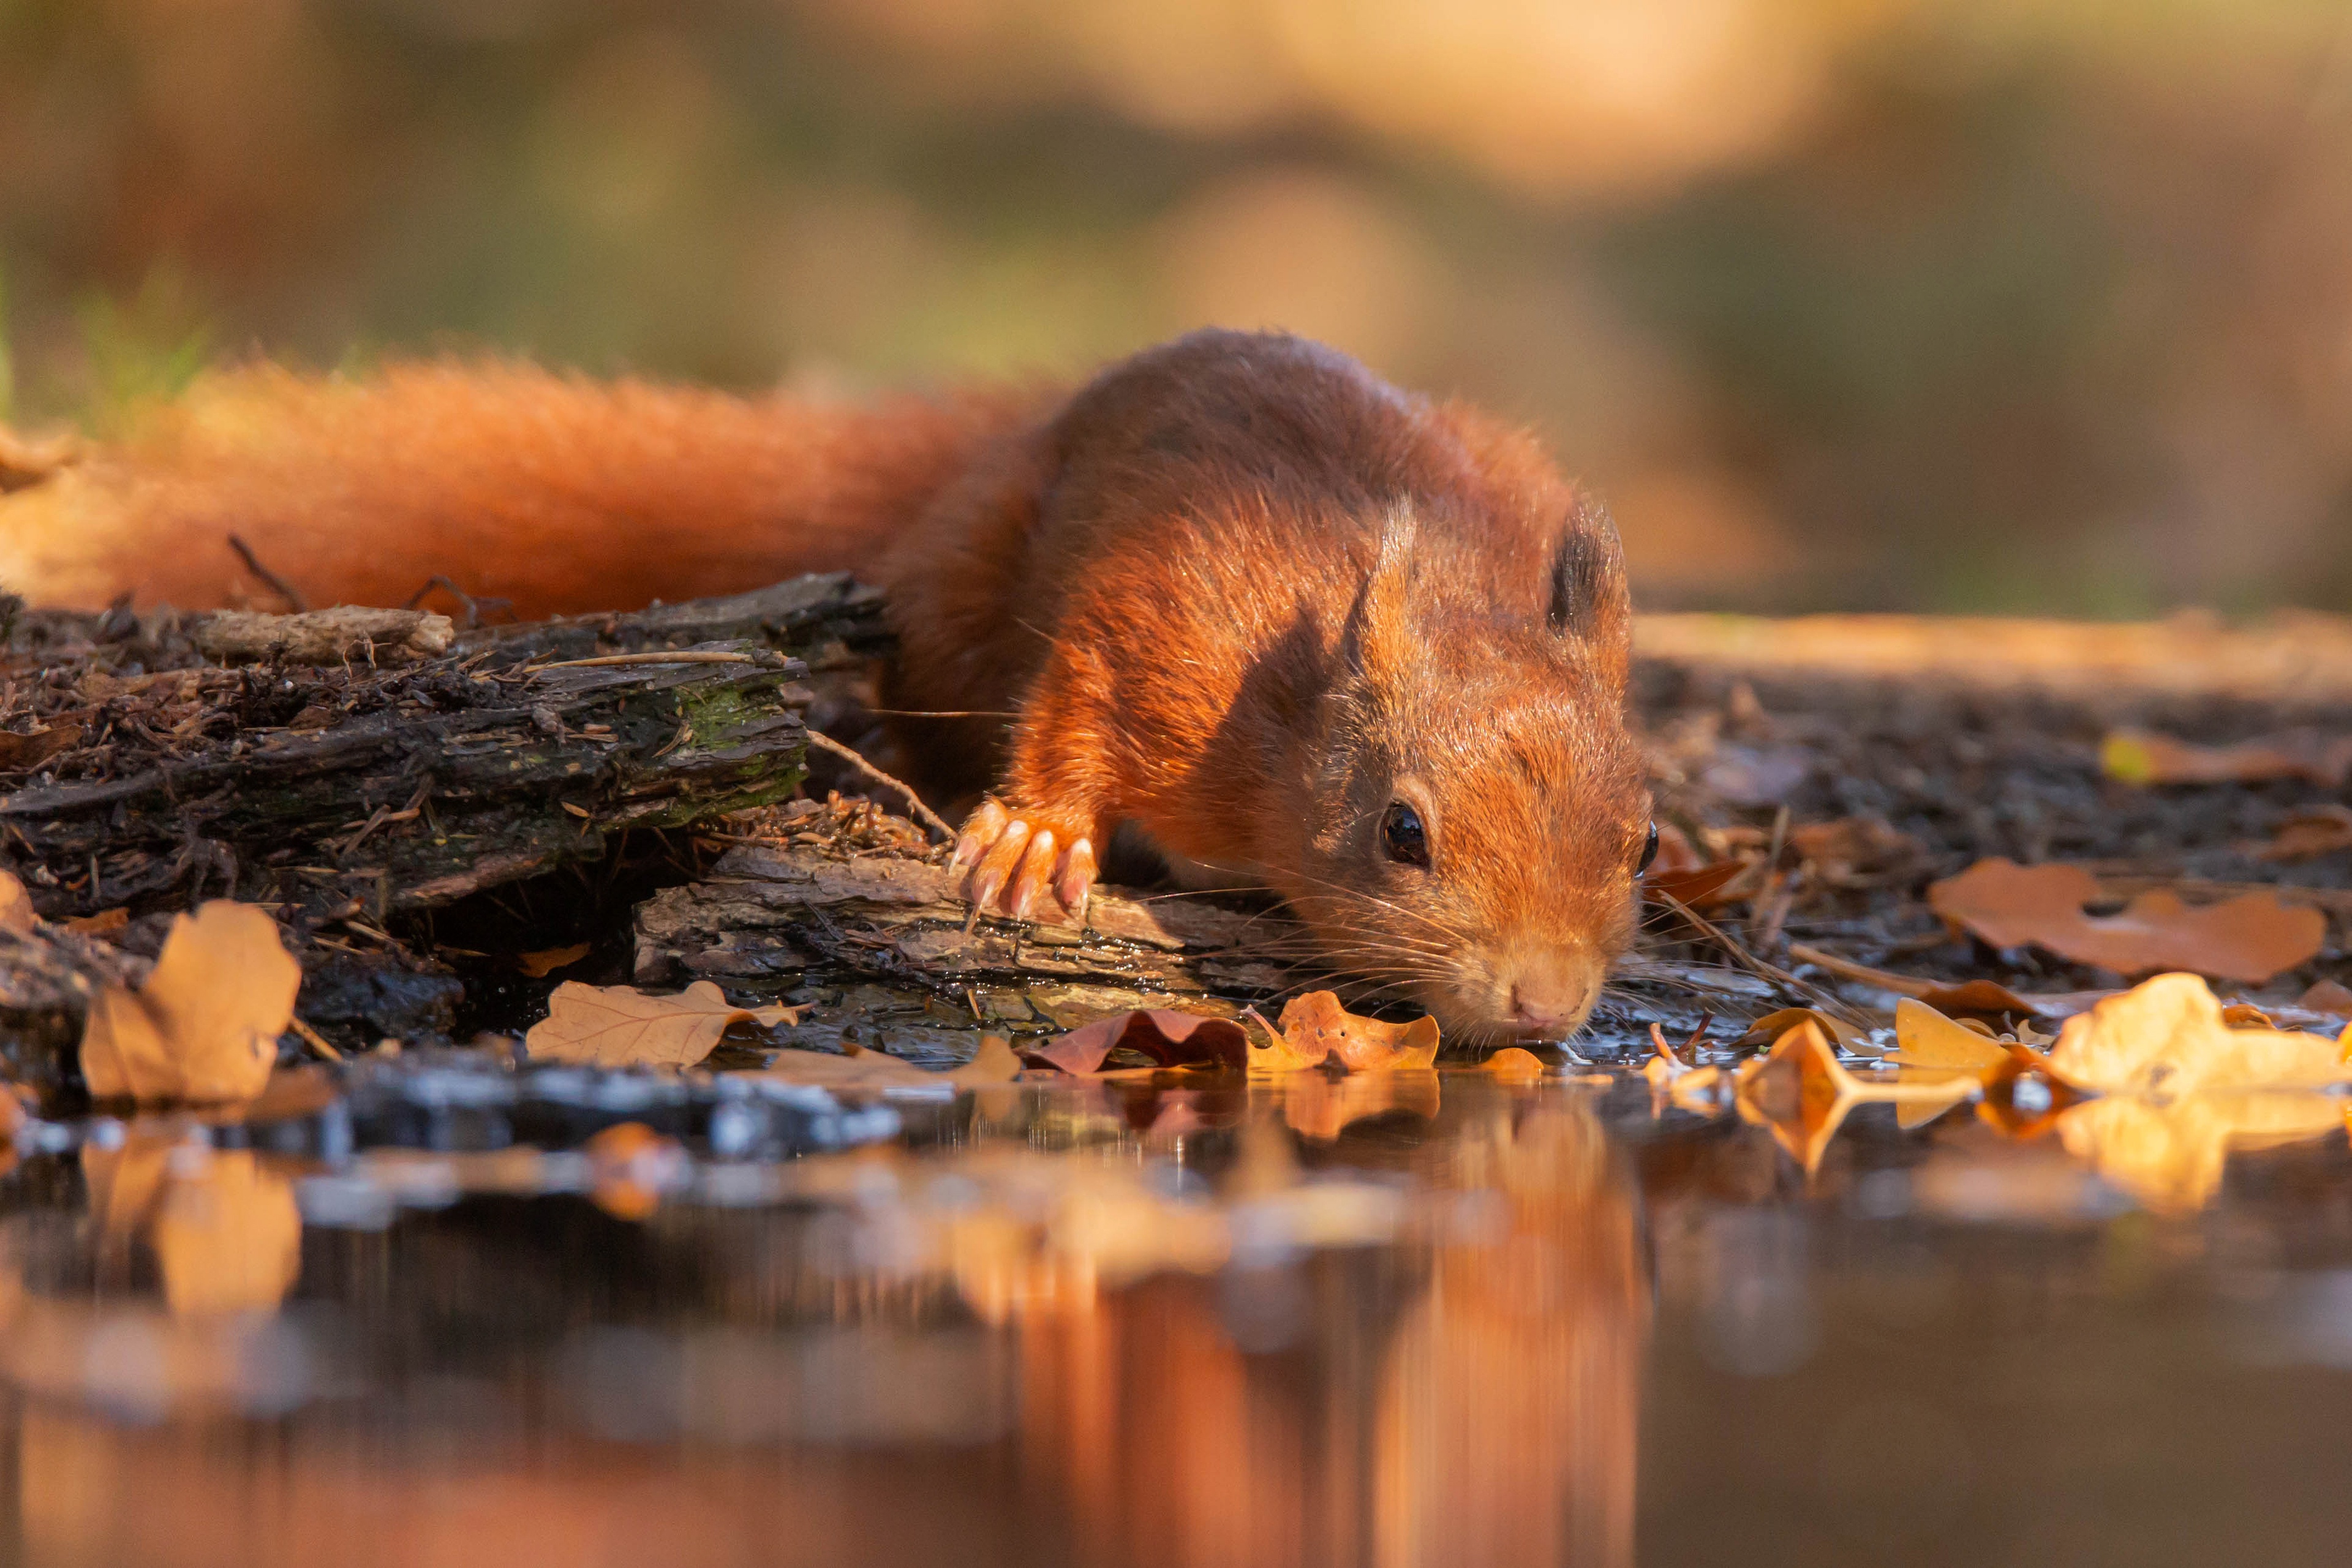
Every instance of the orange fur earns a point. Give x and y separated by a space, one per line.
1240 593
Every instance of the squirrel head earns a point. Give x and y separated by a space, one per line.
1479 813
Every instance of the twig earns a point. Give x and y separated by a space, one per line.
474 607
1847 969
284 589
921 813
312 1039
1772 971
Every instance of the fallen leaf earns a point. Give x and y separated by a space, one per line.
1315 1028
1171 1037
103 923
15 904
1991 1000
621 1026
2145 757
547 960
2308 835
2170 1153
994 1062
1704 888
20 754
2327 996
1801 1092
205 1025
630 1166
2169 1035
1514 1064
2251 938
1855 849
1768 1029
1926 1039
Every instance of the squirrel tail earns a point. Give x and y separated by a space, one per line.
554 492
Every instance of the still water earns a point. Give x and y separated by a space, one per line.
456 1316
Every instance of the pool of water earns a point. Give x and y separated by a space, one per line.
447 1314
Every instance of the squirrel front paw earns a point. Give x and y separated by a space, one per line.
1015 856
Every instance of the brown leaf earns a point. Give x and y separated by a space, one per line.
1855 848
2145 757
21 753
1768 1029
1991 1001
547 960
2169 1035
856 1067
2251 938
1514 1064
103 923
1801 1092
1704 888
1315 1028
15 904
1169 1037
2308 835
205 1025
621 1026
227 1238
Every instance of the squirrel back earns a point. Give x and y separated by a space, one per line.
554 492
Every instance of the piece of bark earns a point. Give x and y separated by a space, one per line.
765 913
824 619
47 977
322 636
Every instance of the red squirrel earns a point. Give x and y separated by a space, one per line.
1298 626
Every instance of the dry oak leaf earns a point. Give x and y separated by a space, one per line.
206 1024
621 1026
2251 938
1315 1028
2306 834
856 1067
21 753
1171 1037
2145 757
2169 1035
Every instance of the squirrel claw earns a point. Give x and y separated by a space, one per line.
1015 861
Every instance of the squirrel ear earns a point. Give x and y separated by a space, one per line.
1377 619
1588 575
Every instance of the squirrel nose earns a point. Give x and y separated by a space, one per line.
1552 996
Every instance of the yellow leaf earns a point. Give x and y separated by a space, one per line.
1926 1039
621 1026
1315 1028
2168 1034
205 1025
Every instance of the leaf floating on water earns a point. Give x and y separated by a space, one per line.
1802 1092
228 1239
2145 757
205 1025
2169 1036
621 1026
540 965
1769 1030
1514 1064
2251 938
1318 1106
1171 1037
1315 1028
1926 1039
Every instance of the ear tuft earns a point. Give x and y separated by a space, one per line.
1588 575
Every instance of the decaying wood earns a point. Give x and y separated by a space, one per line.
767 913
346 790
48 976
322 636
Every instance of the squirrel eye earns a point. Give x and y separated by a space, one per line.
1649 851
1403 835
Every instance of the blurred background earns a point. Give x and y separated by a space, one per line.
2038 305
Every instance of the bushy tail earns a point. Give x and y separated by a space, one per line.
554 492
